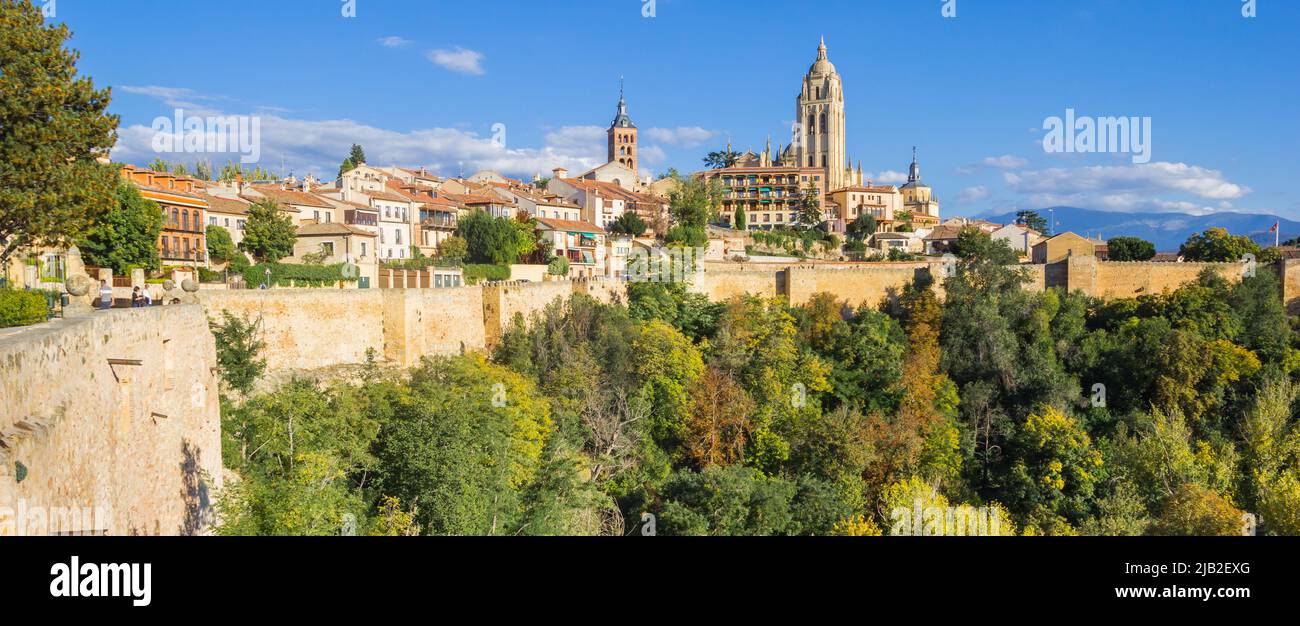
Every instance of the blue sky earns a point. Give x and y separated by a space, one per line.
423 82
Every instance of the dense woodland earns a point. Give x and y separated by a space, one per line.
751 417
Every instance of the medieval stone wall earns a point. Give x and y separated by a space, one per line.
109 424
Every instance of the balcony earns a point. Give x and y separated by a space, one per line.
439 221
169 254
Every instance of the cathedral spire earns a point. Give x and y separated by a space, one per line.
621 119
914 172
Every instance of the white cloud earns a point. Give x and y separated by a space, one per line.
460 60
653 154
317 146
175 97
393 41
973 194
685 136
1140 179
1006 162
887 177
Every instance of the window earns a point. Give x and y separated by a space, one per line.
315 215
327 248
363 249
397 236
212 221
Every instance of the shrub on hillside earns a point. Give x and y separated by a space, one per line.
22 308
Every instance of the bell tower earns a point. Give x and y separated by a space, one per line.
819 115
622 136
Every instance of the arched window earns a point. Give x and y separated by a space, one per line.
185 223
823 122
176 217
812 123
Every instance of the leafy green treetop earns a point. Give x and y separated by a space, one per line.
1216 245
1130 249
269 234
53 127
127 236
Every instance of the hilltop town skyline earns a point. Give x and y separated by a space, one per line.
918 80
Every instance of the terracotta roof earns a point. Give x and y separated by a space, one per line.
219 204
473 198
385 195
570 225
944 231
288 208
868 188
331 228
613 189
286 196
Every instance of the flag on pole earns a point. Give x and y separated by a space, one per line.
1273 228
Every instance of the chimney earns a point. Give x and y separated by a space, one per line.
560 172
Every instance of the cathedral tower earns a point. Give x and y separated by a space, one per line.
819 116
622 136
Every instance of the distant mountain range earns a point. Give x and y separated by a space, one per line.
1166 230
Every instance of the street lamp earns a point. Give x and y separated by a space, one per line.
268 278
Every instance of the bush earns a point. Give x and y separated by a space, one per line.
22 308
291 275
209 276
559 267
475 272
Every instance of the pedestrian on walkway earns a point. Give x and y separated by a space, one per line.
105 295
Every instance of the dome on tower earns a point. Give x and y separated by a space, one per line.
822 65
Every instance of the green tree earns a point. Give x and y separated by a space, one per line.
1129 249
973 243
1031 219
740 220
559 266
629 223
269 233
495 239
809 214
454 248
221 248
465 439
239 351
720 159
127 236
1216 245
53 126
694 202
862 228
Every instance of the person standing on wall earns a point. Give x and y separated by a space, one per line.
105 294
137 300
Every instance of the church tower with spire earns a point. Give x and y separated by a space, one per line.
622 136
819 115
